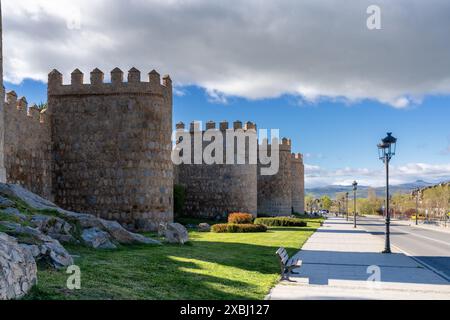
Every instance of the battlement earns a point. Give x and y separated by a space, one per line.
297 157
196 126
285 144
97 86
21 109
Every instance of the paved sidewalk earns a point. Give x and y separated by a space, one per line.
335 266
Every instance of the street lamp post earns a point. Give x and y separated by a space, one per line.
417 206
355 187
386 151
346 204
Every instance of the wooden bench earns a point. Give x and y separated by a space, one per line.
287 264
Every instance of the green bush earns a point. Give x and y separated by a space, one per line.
179 197
240 218
281 222
238 228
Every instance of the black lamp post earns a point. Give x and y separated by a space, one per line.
346 204
355 187
386 150
417 206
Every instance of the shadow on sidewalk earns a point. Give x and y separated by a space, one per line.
322 266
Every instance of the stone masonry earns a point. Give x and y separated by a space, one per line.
298 183
275 191
27 148
111 146
214 191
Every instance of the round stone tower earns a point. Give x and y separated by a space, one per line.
275 191
111 146
298 183
215 190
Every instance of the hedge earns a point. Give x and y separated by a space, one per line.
281 222
240 218
238 228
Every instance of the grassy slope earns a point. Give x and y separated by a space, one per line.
211 266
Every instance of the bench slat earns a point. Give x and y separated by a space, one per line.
294 262
281 251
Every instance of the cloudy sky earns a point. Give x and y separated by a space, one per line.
311 68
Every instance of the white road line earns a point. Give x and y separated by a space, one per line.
423 237
426 265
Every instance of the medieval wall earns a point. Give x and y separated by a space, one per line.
219 189
2 99
298 183
112 146
275 191
26 147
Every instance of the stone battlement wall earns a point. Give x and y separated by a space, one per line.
216 190
298 183
275 191
27 147
112 146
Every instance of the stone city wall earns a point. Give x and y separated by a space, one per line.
215 190
26 146
298 183
275 191
112 146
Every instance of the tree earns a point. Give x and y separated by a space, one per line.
326 202
309 201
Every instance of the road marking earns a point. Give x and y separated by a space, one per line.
424 237
417 235
439 273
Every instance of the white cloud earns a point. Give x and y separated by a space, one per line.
316 176
254 49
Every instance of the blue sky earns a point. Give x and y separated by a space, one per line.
333 135
310 68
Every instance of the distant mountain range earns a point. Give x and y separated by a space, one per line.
362 190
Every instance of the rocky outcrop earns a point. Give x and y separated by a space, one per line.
97 239
44 248
174 233
54 227
59 227
18 272
34 235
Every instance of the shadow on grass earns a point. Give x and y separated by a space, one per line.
200 270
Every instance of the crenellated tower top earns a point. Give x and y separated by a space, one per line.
97 85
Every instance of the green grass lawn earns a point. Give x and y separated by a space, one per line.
210 266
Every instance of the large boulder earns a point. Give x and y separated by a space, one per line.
5 203
18 271
174 233
49 250
204 227
14 214
54 227
123 236
97 239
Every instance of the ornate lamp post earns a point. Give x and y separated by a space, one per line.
386 150
355 187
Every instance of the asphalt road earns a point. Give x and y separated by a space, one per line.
430 247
